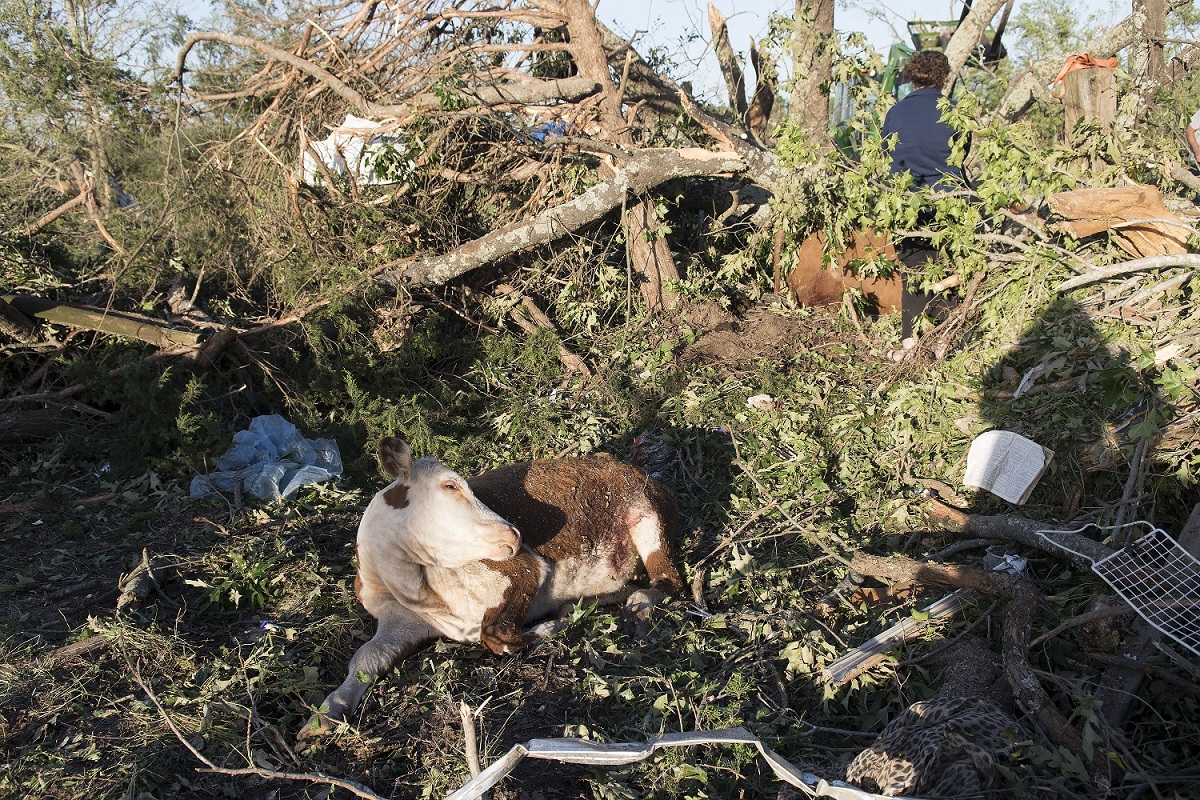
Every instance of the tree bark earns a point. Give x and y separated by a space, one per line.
758 115
648 248
967 37
646 169
1147 66
812 63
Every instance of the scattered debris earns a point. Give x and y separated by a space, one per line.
763 402
1006 464
271 461
1158 578
585 751
871 652
367 152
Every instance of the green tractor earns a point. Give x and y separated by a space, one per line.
925 35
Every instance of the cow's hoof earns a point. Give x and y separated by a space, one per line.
320 724
639 607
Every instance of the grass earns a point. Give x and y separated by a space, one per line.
256 617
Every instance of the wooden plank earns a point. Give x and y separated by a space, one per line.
118 323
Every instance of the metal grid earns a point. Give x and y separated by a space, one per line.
1161 582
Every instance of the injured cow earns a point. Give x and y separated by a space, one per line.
480 560
811 284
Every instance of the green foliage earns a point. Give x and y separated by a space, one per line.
1043 28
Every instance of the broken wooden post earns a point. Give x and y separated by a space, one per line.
1090 95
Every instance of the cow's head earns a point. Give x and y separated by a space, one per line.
431 513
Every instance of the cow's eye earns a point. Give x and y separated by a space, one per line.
450 486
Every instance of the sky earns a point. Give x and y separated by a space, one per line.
666 22
681 26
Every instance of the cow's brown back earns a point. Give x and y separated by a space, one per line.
813 285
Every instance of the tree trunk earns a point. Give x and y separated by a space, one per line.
653 264
1147 67
967 37
1090 94
812 62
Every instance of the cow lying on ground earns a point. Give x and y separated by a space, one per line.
479 560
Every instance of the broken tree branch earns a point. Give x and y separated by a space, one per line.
645 170
968 35
1018 529
530 319
1126 267
533 91
50 216
353 787
120 323
735 81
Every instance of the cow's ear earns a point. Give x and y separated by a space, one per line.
395 457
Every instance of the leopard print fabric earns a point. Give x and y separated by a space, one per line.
938 748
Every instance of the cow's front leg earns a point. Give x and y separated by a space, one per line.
502 630
400 634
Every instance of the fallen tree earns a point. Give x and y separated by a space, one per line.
643 171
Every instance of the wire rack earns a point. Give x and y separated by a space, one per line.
1158 579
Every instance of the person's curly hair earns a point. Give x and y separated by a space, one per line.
927 68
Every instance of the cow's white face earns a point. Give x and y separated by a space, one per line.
430 512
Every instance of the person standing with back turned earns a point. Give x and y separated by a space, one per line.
922 148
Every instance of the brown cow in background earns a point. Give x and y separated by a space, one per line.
813 285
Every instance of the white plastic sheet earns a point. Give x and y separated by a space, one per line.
353 150
272 461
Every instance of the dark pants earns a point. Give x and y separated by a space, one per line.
914 253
